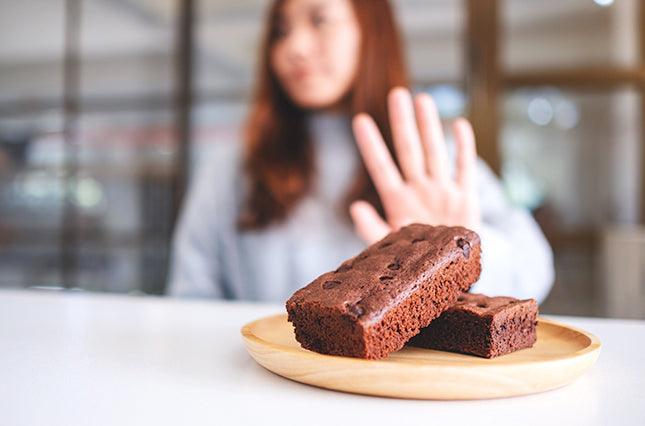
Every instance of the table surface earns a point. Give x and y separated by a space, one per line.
81 359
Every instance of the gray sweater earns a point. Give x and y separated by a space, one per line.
211 258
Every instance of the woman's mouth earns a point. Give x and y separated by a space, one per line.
301 74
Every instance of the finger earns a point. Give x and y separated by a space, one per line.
432 137
406 135
466 154
377 158
369 225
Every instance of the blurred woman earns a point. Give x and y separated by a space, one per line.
337 154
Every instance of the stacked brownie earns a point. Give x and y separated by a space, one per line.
483 326
375 302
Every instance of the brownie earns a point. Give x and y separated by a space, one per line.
373 303
483 326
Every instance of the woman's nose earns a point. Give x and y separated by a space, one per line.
299 43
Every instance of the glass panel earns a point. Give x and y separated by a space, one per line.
563 34
226 68
117 209
573 153
127 49
433 35
31 61
123 197
572 157
31 199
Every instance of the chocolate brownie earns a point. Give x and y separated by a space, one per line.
483 326
376 301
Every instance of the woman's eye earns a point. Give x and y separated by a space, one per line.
318 20
280 31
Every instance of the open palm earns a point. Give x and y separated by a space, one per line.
423 191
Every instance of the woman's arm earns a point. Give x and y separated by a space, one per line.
516 257
194 269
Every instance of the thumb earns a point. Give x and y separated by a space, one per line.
369 225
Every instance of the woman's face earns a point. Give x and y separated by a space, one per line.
316 51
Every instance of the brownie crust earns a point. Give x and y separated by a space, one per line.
373 303
484 326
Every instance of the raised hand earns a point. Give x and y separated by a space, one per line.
423 190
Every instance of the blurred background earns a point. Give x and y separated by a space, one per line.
106 105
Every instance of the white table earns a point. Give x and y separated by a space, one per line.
81 359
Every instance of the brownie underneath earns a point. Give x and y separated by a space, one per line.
483 326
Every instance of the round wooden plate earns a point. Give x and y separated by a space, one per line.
560 355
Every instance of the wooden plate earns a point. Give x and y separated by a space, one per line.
560 355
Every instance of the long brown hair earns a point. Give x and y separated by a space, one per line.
278 156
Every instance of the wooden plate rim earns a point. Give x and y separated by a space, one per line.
247 334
